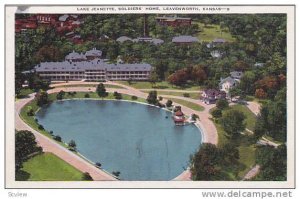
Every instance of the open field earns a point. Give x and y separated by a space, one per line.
158 85
190 105
213 31
48 167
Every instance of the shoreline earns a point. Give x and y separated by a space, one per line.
129 91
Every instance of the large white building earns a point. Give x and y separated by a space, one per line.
90 67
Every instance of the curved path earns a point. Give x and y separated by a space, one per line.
49 145
209 131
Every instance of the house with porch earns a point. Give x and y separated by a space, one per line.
210 96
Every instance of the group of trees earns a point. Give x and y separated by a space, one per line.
208 161
26 146
273 163
272 120
195 74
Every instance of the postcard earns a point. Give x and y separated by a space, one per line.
150 96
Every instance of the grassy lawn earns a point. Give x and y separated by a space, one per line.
25 92
159 85
213 31
48 167
192 95
190 105
88 85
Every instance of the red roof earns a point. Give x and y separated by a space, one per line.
179 113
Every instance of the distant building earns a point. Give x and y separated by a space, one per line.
216 42
210 96
227 84
123 39
216 54
149 40
46 19
88 67
185 39
173 21
237 75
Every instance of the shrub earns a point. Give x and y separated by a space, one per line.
169 103
36 120
186 95
98 164
41 127
195 117
134 97
51 132
57 138
87 95
72 144
87 177
216 113
116 173
30 112
160 98
222 104
117 95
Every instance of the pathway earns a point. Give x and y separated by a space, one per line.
50 145
209 131
252 173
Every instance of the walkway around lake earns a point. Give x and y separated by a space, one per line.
208 129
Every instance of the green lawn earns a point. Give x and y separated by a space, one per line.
25 92
159 85
190 105
88 85
48 167
213 31
192 95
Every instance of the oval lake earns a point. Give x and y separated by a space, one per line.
139 141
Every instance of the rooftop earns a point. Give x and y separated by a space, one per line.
185 39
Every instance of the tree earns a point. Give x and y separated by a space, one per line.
179 78
60 95
204 163
25 145
198 74
87 177
230 153
152 97
87 95
72 144
247 82
194 117
36 83
216 113
169 103
260 93
232 122
134 97
273 162
57 138
101 91
222 104
41 98
153 78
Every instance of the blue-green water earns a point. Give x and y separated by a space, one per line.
135 139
